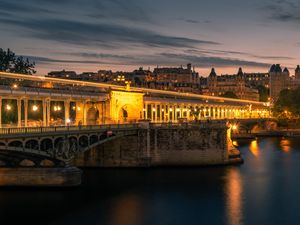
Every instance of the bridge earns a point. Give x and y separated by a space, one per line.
47 123
46 101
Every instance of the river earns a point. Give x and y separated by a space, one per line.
265 190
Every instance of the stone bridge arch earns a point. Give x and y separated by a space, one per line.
92 115
126 106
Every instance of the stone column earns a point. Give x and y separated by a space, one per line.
44 112
25 112
154 113
48 103
160 112
146 111
19 106
170 113
204 112
84 113
67 112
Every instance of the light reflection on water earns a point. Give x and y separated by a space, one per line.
254 148
285 145
264 191
234 192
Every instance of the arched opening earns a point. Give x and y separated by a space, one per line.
92 116
93 139
46 145
73 144
32 144
58 143
83 141
129 114
17 144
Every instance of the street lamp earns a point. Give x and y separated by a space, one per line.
8 107
68 121
35 108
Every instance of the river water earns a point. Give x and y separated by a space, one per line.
264 190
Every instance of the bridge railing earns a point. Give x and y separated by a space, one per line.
201 124
38 130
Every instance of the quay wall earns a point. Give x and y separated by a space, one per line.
195 145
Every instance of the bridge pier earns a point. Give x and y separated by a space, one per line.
40 177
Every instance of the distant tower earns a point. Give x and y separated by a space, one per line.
297 73
212 81
278 80
189 67
240 72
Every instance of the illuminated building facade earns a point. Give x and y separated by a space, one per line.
238 84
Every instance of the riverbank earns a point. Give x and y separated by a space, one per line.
265 133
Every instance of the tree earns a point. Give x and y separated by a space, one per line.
9 62
288 103
229 94
263 93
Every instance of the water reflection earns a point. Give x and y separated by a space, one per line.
235 143
285 145
254 149
234 192
126 210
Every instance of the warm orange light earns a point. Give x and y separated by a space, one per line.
285 145
254 148
35 108
8 107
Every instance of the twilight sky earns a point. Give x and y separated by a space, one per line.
87 35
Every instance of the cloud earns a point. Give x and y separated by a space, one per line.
283 10
100 55
191 21
204 61
213 52
103 34
120 9
19 7
45 60
170 59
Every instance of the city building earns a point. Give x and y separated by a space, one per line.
257 79
176 79
237 84
63 74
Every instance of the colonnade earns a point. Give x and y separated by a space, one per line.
78 111
158 112
48 107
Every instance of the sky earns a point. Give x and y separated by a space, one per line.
123 35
